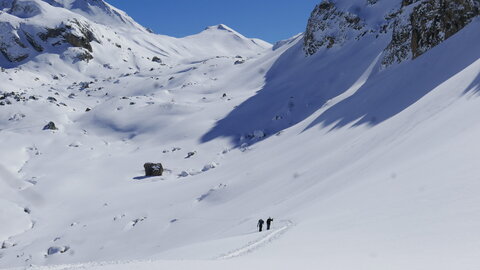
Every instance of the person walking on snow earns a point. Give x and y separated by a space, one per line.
269 222
260 224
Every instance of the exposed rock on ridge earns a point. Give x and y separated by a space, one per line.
422 25
415 26
328 26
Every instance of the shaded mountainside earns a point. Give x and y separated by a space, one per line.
345 78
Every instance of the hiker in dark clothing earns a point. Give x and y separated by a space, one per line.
260 224
269 222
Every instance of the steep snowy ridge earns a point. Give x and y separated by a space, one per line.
362 163
96 10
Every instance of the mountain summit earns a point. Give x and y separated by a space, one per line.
220 27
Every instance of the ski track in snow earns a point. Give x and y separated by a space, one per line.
259 243
87 265
249 248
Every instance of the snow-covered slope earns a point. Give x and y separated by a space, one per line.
362 165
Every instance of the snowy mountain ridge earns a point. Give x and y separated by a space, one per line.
361 163
78 28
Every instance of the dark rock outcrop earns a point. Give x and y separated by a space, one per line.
415 26
19 42
328 26
157 59
8 97
37 47
55 250
422 25
190 154
68 32
84 56
10 45
153 169
50 126
239 62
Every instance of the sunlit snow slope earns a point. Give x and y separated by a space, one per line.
361 166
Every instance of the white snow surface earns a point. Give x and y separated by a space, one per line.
361 167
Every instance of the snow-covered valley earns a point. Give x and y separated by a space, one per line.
363 163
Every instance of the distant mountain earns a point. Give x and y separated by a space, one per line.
77 30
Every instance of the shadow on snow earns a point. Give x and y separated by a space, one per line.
296 87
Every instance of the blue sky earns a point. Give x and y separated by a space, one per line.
270 20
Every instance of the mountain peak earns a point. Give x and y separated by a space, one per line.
221 27
83 5
98 11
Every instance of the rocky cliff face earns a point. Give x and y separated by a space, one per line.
421 25
329 26
415 26
25 31
19 42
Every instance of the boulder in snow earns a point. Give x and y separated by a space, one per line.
52 99
184 174
209 166
153 169
6 245
55 250
239 62
50 126
156 59
191 154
